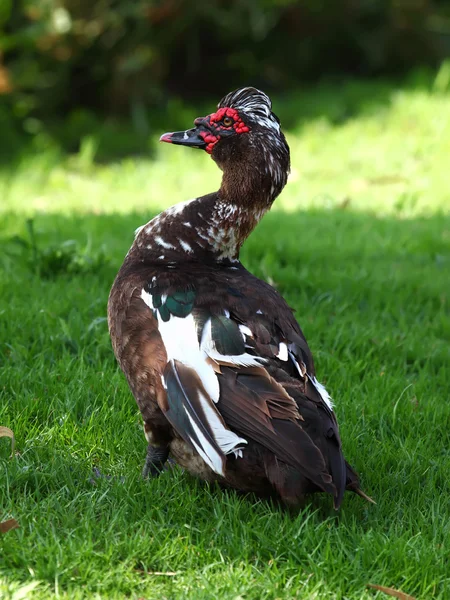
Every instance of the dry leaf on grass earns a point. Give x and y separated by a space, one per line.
7 432
8 525
391 592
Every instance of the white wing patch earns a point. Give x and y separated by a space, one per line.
209 348
227 441
213 458
301 368
323 392
179 336
147 298
245 330
282 352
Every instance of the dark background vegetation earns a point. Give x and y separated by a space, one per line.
80 60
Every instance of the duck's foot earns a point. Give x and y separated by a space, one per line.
155 460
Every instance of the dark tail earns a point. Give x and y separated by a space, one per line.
352 484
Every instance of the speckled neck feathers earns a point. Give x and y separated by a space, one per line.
214 227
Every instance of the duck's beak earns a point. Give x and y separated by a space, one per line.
191 138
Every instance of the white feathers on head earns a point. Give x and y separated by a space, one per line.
253 103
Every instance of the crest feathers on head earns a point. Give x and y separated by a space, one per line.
246 99
254 103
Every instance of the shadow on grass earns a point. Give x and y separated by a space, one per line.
369 292
304 252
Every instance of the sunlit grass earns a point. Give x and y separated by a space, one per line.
359 244
387 154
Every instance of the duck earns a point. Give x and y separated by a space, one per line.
219 367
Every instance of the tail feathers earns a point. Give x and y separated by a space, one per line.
352 484
257 407
338 472
293 486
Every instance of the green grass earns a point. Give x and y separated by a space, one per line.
359 244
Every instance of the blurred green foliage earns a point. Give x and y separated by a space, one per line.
126 56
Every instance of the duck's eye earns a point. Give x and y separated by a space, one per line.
228 121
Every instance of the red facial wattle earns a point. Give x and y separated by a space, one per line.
209 139
215 123
239 126
209 130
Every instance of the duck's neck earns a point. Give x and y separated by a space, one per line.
214 227
242 200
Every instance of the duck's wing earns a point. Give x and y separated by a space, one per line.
281 405
236 373
190 382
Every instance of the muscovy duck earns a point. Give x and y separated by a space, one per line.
219 367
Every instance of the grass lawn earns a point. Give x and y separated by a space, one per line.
358 243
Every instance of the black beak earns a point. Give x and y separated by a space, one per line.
191 138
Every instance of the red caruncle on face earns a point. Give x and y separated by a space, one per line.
215 120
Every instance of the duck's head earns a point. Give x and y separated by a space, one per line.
243 124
